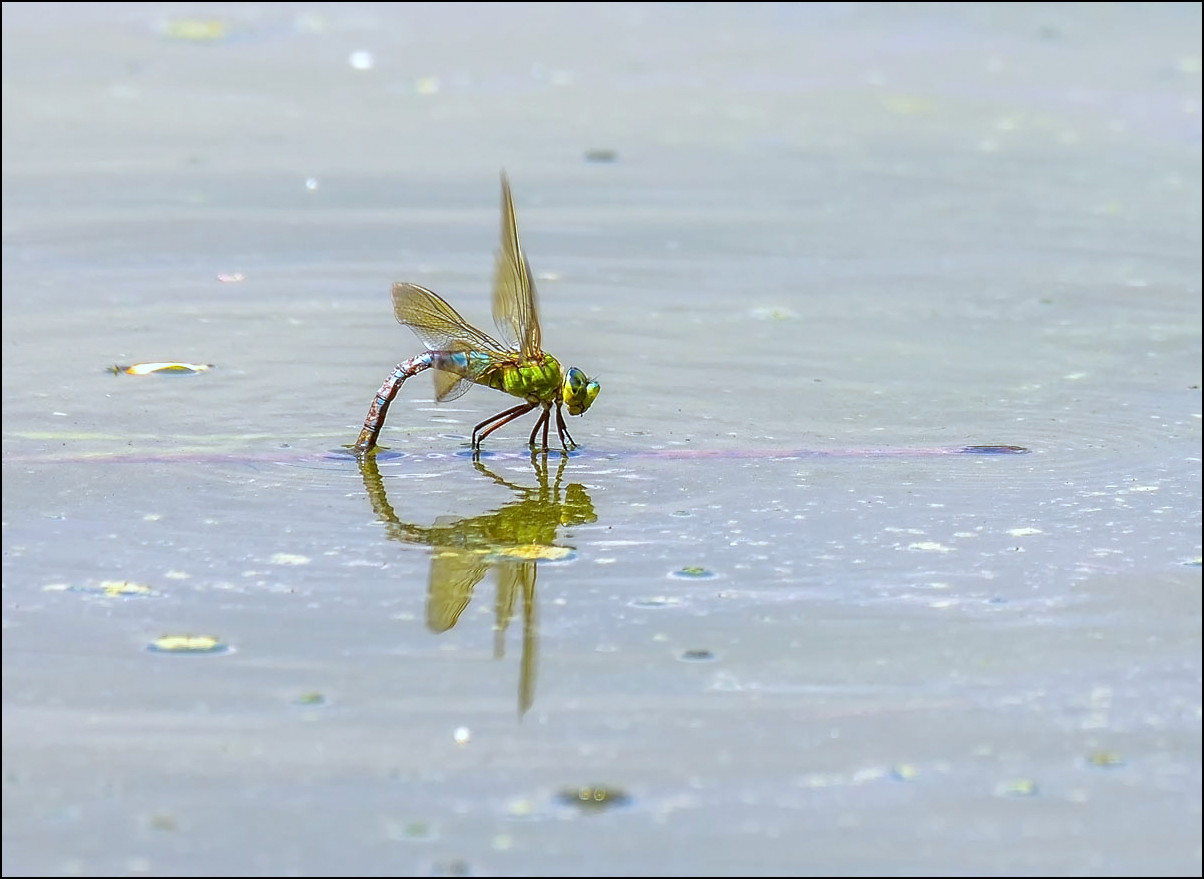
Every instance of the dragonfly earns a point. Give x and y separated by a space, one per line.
461 355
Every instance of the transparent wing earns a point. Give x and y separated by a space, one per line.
449 385
438 325
454 574
515 311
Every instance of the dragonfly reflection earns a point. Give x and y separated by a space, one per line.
511 539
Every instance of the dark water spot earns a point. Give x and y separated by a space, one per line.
994 450
451 867
697 655
601 155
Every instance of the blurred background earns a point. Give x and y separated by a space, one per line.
780 623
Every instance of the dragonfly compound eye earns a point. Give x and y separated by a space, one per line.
579 391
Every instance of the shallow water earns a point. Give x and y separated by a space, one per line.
767 603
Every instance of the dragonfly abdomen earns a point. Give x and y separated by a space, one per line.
380 406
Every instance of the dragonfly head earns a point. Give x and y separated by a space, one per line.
578 391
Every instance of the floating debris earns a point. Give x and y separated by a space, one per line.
601 156
411 831
427 85
462 735
231 277
764 313
994 450
164 368
697 655
195 30
164 821
288 558
193 644
904 772
593 799
929 546
311 183
692 572
108 588
655 601
311 698
1105 759
1018 787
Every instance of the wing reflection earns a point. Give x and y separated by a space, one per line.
512 539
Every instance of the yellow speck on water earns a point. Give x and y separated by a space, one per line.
188 644
124 587
287 558
195 30
908 105
426 85
1018 787
520 808
593 797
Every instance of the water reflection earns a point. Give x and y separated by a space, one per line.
512 539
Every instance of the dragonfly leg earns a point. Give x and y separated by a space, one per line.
563 431
499 420
542 422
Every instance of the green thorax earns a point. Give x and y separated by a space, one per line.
537 381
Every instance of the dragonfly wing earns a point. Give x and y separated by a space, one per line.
453 577
449 386
515 311
437 324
